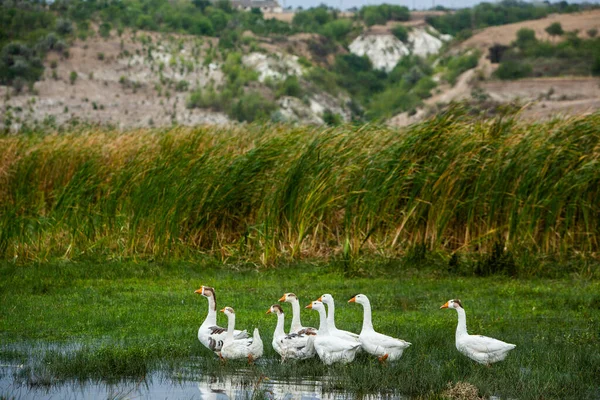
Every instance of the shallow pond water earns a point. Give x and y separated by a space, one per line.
160 386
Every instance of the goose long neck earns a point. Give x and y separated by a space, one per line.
230 326
211 317
461 328
296 325
280 323
367 319
331 315
323 322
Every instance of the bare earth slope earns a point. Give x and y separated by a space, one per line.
505 34
124 81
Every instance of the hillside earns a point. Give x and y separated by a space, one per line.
321 67
543 97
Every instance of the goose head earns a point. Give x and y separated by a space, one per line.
228 311
207 291
326 299
289 298
316 305
456 304
360 299
275 309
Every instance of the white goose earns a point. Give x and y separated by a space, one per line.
246 348
332 349
483 349
383 346
296 326
210 334
333 330
294 346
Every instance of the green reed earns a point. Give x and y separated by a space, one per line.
271 192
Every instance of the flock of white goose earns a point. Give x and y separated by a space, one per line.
328 342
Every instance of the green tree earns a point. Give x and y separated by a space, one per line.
400 32
72 77
525 37
337 29
555 29
513 69
17 60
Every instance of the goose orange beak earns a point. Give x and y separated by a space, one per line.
199 291
352 300
222 310
320 299
269 311
309 306
444 306
282 298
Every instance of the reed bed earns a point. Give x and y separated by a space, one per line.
272 192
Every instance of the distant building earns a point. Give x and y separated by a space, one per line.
266 6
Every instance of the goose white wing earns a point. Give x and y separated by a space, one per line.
387 341
345 335
297 346
484 344
333 344
215 336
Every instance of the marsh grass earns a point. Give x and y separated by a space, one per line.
128 319
271 193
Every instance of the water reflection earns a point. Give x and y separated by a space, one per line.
161 386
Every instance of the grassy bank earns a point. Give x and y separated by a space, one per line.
270 193
120 320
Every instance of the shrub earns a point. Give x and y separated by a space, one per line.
104 29
400 32
592 32
337 29
182 86
18 84
290 87
525 37
555 29
17 60
72 77
331 118
252 106
64 26
513 69
100 56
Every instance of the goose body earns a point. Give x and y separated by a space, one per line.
482 349
292 346
296 326
210 334
251 348
333 330
332 349
383 346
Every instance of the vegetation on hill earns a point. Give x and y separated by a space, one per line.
462 22
273 192
530 57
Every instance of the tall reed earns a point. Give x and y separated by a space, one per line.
266 192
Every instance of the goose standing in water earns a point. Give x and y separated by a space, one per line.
294 346
332 349
244 348
210 334
483 349
383 346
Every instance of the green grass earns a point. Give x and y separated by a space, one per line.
271 193
126 319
